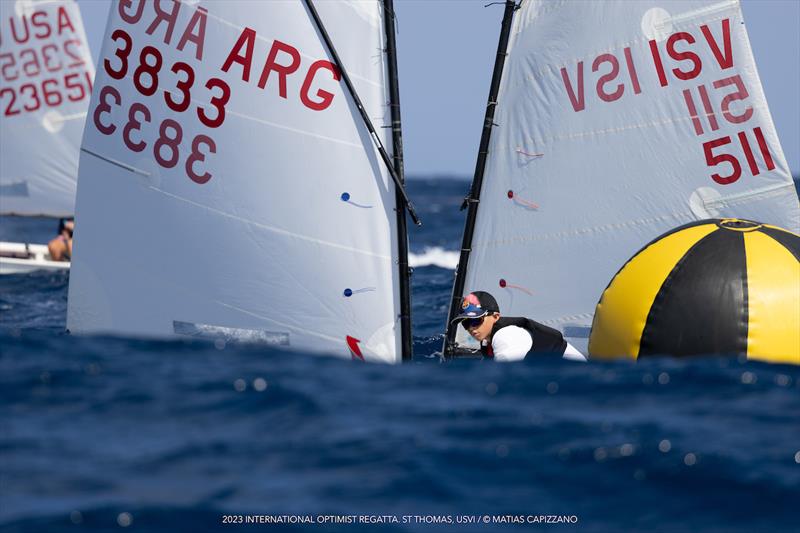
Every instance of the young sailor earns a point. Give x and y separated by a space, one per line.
60 248
510 338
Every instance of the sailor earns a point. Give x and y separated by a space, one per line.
510 338
60 248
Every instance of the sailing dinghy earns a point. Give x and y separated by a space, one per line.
47 71
609 123
233 185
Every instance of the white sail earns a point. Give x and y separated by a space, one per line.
46 71
615 122
272 217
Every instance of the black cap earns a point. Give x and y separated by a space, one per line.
477 304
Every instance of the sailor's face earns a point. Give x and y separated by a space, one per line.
481 328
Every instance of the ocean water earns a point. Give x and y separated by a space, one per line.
115 434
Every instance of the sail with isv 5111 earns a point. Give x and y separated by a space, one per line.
229 188
613 122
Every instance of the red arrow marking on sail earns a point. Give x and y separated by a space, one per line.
355 351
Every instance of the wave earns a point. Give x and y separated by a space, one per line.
434 256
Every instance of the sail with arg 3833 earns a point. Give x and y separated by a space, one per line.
224 146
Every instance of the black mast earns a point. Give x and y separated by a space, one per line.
472 200
397 150
352 90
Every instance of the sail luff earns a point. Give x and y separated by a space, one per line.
397 153
473 199
376 139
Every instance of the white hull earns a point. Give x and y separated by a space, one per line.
22 258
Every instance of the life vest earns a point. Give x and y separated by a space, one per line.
545 339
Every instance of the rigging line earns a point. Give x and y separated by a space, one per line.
391 13
375 139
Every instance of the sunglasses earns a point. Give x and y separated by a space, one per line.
470 323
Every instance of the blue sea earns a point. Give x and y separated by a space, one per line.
116 434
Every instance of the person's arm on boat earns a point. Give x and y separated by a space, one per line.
60 248
57 247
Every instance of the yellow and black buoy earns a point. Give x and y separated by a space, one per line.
710 287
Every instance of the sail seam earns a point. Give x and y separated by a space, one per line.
296 130
641 125
116 162
568 317
272 229
282 324
597 229
204 104
745 197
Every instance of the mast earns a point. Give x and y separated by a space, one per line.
397 151
367 121
473 198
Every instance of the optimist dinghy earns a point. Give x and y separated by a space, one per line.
47 71
232 143
23 258
609 123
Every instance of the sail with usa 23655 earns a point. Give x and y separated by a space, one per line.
46 71
608 124
230 186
